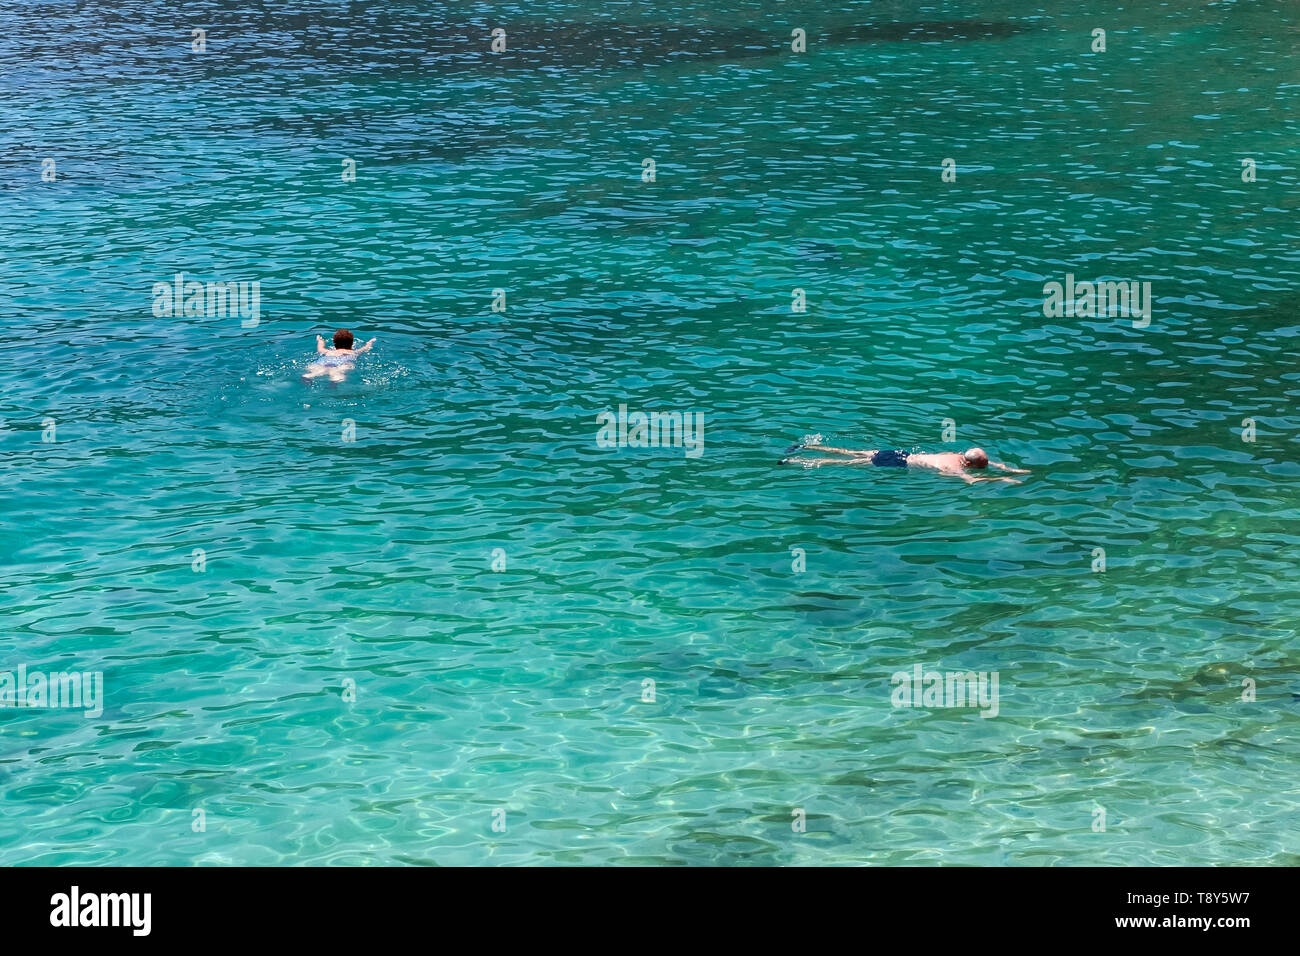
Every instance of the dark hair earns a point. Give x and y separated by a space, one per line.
343 339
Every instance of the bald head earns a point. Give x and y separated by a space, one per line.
975 458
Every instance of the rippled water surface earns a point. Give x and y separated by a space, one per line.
329 565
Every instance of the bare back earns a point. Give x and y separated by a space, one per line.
948 462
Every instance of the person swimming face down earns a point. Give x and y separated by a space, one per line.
337 361
945 462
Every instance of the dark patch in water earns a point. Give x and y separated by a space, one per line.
405 42
718 685
1218 683
930 31
386 136
581 44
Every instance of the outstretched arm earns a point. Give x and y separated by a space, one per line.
971 479
1015 471
320 345
366 347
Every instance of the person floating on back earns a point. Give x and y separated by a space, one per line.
339 360
946 463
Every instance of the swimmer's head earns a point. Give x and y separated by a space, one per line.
975 458
343 339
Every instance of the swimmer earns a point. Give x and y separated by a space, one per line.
339 360
945 463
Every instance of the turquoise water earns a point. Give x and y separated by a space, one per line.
331 566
